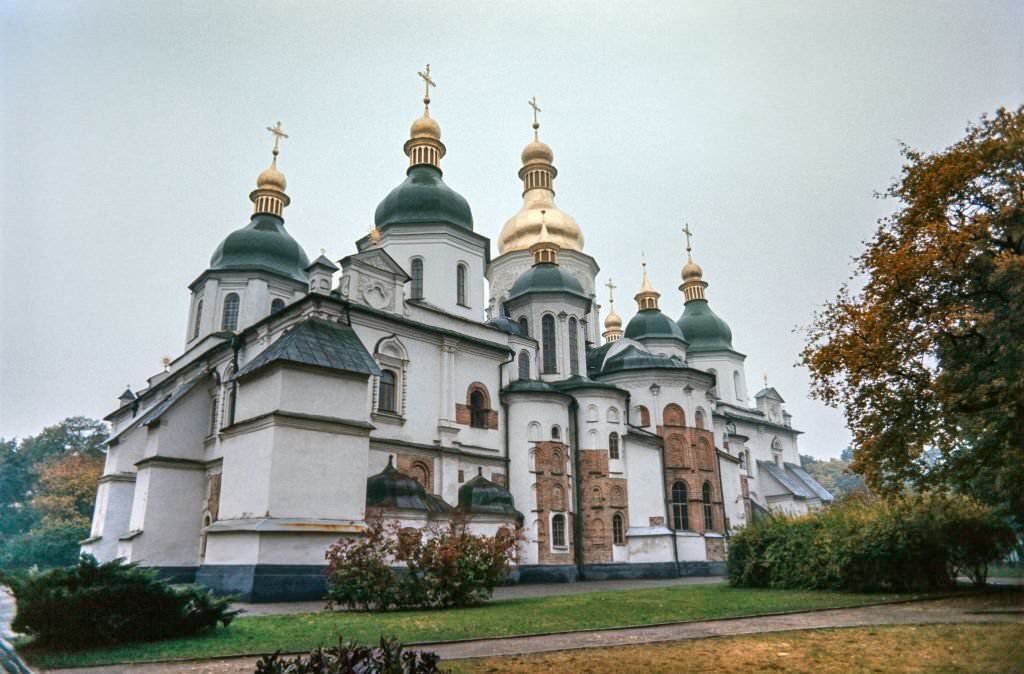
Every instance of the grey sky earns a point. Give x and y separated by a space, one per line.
133 132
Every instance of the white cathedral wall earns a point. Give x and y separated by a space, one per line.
505 269
122 457
644 490
442 251
732 494
724 365
111 516
246 471
169 515
182 429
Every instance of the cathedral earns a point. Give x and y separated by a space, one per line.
394 382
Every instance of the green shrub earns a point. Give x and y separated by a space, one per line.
916 542
444 566
46 546
389 657
91 604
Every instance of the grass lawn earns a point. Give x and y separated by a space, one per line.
291 633
903 648
995 571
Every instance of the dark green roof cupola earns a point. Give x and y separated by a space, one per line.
649 322
264 244
545 276
423 197
701 326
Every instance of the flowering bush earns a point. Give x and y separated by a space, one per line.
443 566
389 657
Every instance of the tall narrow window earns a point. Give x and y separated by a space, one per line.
276 305
558 531
524 365
199 319
460 285
417 278
477 410
680 508
386 394
229 319
574 346
613 445
736 384
547 329
556 433
708 524
698 418
524 324
618 530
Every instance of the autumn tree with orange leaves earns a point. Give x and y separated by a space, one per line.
927 360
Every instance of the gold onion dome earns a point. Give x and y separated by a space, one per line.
272 179
613 322
538 173
425 127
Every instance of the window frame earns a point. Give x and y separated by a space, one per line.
416 278
613 445
706 495
549 344
680 507
477 409
231 307
618 530
559 538
574 346
461 272
383 387
197 322
524 364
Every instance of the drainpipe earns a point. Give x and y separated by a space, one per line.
577 520
504 409
237 342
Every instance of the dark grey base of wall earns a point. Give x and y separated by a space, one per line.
285 582
265 582
176 574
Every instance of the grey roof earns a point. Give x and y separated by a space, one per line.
322 261
157 410
127 395
771 392
795 480
320 343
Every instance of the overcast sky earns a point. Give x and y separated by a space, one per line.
133 132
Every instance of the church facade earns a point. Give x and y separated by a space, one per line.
312 395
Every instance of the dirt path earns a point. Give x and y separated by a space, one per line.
979 609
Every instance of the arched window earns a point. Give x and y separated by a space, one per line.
596 498
199 319
618 530
417 278
706 494
557 497
524 325
556 464
736 384
673 415
574 346
556 433
533 431
680 507
643 417
547 329
524 365
229 319
558 531
276 305
613 445
460 285
613 415
698 418
477 409
386 394
421 473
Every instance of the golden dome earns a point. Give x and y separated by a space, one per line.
613 322
425 127
538 151
692 271
272 179
522 229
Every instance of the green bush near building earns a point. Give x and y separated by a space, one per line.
909 543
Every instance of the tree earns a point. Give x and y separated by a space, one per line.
834 475
927 360
66 488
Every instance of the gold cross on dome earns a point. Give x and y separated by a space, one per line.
688 233
611 288
428 82
278 135
536 109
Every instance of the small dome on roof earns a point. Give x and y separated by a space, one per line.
651 323
393 490
703 329
482 496
546 278
537 151
425 127
271 179
263 244
423 198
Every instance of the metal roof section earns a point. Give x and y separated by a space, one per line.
317 343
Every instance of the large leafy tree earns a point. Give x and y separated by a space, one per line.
927 360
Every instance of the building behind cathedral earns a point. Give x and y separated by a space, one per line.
311 396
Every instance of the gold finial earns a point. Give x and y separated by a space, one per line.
612 322
544 249
647 298
611 299
428 82
278 135
374 236
536 109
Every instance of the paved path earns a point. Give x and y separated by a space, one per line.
978 609
506 592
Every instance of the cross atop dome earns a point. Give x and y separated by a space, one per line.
428 82
536 122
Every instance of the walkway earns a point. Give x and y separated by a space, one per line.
978 609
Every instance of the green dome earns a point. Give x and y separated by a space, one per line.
633 357
423 197
393 490
263 244
480 495
546 278
703 329
651 323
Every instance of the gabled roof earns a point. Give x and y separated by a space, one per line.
318 343
323 261
377 258
156 411
769 392
795 480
